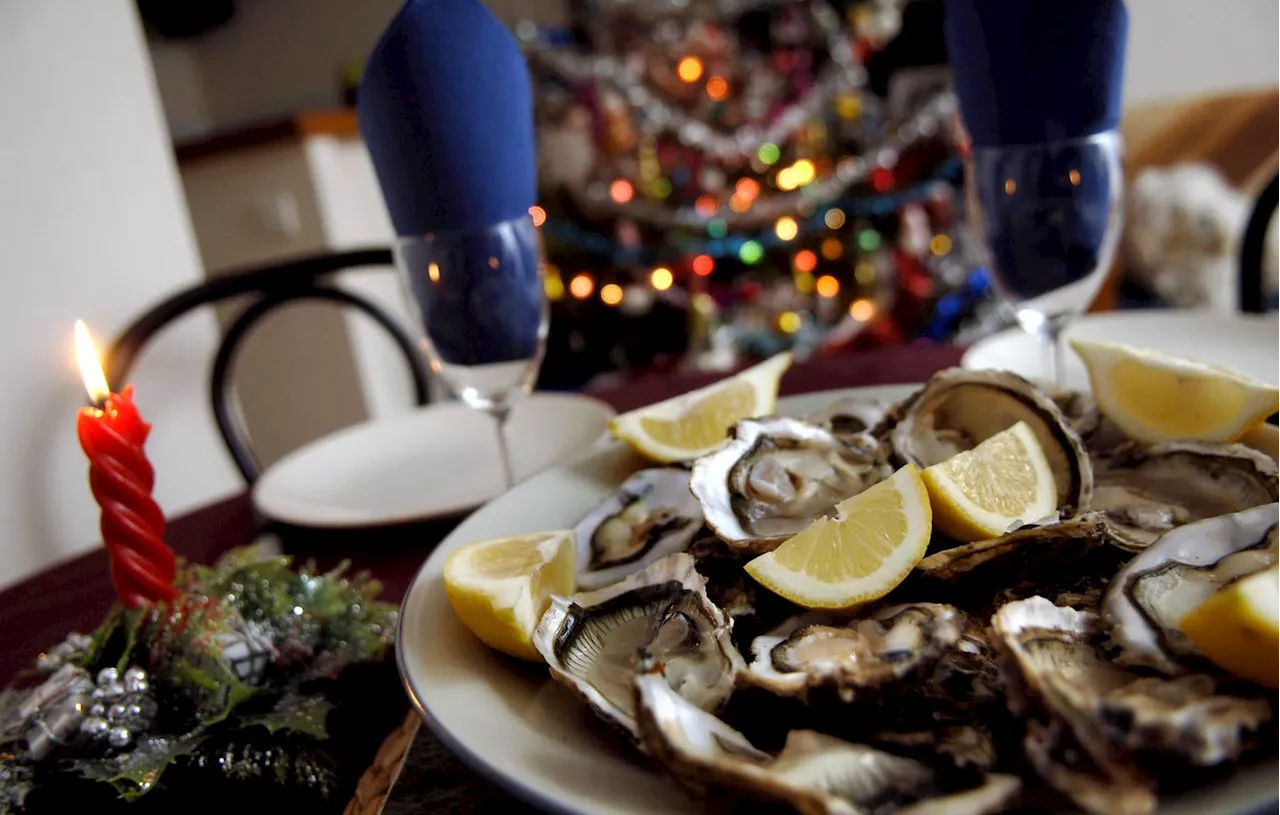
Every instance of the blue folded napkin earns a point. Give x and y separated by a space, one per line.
1034 71
446 109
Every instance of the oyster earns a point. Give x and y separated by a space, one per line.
1075 699
814 773
1161 585
958 409
776 476
593 641
1072 558
848 417
652 515
813 651
1146 491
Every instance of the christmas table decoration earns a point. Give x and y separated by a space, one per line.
233 681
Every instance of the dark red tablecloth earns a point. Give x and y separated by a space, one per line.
76 594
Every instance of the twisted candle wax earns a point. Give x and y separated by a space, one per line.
142 565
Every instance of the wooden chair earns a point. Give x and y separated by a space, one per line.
273 286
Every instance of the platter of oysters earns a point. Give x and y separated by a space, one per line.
844 609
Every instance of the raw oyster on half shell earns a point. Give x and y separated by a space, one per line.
775 476
1146 491
1149 597
651 515
814 773
593 641
1091 723
958 409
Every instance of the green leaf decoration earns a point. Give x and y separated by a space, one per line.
136 772
294 712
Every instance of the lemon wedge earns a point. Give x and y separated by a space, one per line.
696 423
983 492
1155 397
1239 627
839 563
501 588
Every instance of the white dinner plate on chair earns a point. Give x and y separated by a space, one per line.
530 734
439 460
1249 343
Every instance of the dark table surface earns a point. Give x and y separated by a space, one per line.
75 594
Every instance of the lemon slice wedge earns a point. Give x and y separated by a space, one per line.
839 563
1155 397
500 588
696 423
1003 482
1238 627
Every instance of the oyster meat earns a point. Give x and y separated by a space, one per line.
1146 491
814 651
652 515
814 773
776 476
1073 698
1148 598
848 417
958 409
593 641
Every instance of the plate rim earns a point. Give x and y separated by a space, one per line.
442 511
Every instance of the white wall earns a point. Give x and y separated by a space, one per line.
1189 47
92 225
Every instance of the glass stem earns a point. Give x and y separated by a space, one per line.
1055 350
500 414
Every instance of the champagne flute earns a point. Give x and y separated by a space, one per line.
1048 217
479 300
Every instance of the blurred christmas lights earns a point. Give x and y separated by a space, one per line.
786 228
827 286
832 249
661 278
689 69
538 215
611 294
805 261
703 265
621 190
581 286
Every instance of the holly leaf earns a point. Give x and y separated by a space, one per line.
294 712
136 772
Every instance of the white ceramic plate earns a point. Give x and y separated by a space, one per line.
1246 342
436 461
524 730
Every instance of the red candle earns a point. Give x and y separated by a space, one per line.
112 435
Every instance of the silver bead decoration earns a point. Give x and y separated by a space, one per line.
107 676
119 737
98 709
133 711
135 680
115 690
115 713
94 727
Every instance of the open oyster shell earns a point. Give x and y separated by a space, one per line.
652 515
855 656
777 475
849 417
1146 491
1072 698
1149 597
814 773
1072 561
957 409
593 641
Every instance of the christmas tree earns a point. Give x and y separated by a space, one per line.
725 179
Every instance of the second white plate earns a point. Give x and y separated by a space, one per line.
1243 342
436 461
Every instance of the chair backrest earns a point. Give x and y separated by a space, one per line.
274 285
1253 249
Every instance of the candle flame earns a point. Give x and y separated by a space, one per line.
95 380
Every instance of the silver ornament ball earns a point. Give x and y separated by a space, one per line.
94 726
118 737
115 713
108 676
115 690
98 709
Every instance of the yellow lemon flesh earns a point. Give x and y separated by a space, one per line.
839 563
1157 397
696 423
1003 482
501 588
1239 627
